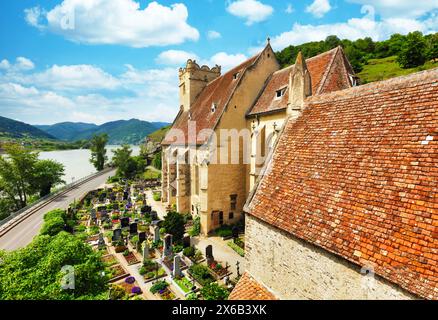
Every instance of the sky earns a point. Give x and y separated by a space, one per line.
96 61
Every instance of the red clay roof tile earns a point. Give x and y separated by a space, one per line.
357 174
249 289
328 72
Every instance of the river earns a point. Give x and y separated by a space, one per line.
77 162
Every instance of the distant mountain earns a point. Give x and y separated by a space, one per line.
17 130
120 132
67 131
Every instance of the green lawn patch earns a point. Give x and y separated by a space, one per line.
236 248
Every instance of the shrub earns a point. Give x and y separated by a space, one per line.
201 274
224 231
192 296
157 196
213 291
53 223
189 252
159 286
174 224
196 228
236 248
178 248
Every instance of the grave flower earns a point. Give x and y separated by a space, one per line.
136 290
130 280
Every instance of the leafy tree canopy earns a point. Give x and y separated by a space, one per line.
98 151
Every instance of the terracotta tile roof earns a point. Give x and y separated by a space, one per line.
249 289
218 91
328 71
357 174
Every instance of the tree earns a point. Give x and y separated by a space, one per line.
35 272
121 160
432 51
98 151
174 224
156 162
17 172
213 291
413 52
332 42
48 173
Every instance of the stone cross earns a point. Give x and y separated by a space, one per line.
167 251
156 234
176 272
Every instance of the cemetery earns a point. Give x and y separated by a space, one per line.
146 255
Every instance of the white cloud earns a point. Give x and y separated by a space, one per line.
213 35
319 8
400 8
353 29
226 61
289 9
21 64
120 22
85 92
252 10
175 57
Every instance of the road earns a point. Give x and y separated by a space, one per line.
22 234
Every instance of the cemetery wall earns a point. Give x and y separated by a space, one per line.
295 269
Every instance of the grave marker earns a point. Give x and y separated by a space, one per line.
176 272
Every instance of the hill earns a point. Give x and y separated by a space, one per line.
375 60
158 135
382 69
120 132
67 131
11 129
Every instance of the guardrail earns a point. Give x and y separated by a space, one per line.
47 199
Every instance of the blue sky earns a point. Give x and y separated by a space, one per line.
104 60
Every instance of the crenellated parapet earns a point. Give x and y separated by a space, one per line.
192 67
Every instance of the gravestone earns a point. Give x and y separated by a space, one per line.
154 215
117 235
167 251
101 242
145 252
125 195
133 228
209 254
235 232
176 272
186 241
93 215
141 237
116 206
124 222
156 234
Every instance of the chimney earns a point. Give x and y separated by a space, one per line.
192 80
300 86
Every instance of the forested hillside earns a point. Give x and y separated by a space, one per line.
399 55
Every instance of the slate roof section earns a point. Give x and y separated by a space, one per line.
219 92
357 174
329 72
249 289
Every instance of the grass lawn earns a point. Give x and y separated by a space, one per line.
382 69
158 135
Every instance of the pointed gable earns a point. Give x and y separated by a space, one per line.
329 72
357 175
215 95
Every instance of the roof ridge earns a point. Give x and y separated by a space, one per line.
382 86
327 71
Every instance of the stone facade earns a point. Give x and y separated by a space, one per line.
295 269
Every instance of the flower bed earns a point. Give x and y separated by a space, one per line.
117 272
130 286
218 270
161 288
109 260
185 284
202 274
131 258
